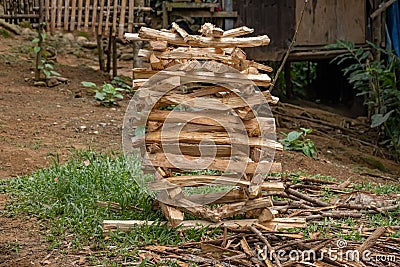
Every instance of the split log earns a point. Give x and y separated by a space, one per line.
201 41
194 163
156 64
206 180
238 32
219 138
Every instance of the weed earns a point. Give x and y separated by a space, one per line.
107 94
45 66
5 33
297 141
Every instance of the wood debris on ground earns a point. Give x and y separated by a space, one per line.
265 244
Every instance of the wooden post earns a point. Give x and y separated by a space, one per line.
40 43
108 66
101 54
164 15
114 56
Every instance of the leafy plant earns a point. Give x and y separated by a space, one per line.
377 82
45 66
122 82
107 94
297 141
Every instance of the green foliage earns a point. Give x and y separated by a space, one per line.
45 66
122 82
302 74
297 141
107 94
64 198
377 82
5 33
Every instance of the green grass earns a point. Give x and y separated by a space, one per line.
64 198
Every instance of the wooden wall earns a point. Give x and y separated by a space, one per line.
324 22
327 21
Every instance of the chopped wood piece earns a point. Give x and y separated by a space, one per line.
266 215
209 30
156 64
186 37
238 32
174 215
158 45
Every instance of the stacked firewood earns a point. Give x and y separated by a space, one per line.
167 48
206 89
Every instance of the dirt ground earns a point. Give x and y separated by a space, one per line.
40 124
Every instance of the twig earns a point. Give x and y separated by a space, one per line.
289 48
260 235
297 194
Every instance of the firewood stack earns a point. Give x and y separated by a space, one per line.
204 91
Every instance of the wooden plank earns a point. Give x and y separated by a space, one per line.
122 19
86 16
206 180
167 160
131 17
275 224
101 18
59 13
73 15
238 32
66 15
107 22
80 11
47 14
114 21
53 15
94 17
195 40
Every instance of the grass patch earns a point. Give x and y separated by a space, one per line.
65 198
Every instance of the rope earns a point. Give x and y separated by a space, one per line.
289 48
